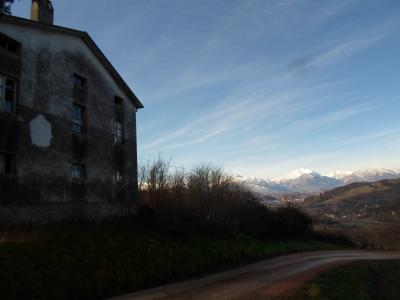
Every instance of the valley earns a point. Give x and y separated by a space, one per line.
363 205
369 212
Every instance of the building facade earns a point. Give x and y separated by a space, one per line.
67 125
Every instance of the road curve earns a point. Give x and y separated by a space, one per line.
240 282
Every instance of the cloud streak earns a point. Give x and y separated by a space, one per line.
258 99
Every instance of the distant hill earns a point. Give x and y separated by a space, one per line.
376 197
368 210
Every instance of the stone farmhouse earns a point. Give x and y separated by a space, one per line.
67 125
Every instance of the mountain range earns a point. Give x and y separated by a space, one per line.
306 181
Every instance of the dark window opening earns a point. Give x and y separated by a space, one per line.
78 171
8 94
9 44
118 100
79 82
118 125
13 46
7 164
80 89
118 132
78 118
118 108
3 42
119 176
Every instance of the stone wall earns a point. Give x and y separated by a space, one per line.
40 132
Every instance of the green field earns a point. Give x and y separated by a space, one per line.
94 263
367 280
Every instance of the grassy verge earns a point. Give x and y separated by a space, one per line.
368 280
94 264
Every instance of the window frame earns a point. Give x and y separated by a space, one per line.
119 177
118 132
80 169
118 127
4 87
10 44
81 79
81 121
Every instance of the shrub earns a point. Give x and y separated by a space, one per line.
208 199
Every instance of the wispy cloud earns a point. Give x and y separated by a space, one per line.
332 117
329 55
257 98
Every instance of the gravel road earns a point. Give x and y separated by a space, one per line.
244 281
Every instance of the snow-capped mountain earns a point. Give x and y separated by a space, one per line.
340 174
309 182
306 181
296 174
370 175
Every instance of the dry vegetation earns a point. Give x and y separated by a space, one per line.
371 280
189 223
209 198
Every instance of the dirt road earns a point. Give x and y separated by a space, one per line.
246 281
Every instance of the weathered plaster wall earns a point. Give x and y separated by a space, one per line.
40 130
45 144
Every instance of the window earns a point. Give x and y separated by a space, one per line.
118 125
78 118
79 90
9 44
8 94
7 164
118 132
118 110
119 176
79 82
78 171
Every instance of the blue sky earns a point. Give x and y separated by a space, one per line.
258 87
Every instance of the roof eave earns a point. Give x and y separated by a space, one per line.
90 43
93 46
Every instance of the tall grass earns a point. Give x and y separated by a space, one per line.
363 280
97 263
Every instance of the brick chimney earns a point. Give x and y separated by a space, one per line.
42 11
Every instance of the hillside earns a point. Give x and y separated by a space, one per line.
370 199
369 211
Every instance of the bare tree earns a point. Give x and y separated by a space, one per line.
211 197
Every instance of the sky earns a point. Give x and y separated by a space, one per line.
257 87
